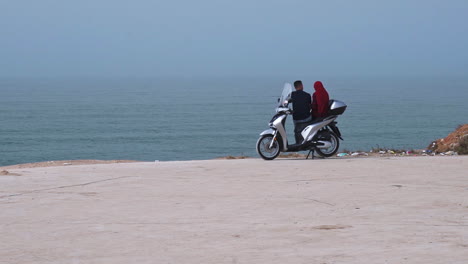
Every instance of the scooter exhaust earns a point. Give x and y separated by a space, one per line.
323 144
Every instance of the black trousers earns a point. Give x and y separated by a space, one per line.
299 125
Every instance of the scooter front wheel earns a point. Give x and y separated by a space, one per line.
264 150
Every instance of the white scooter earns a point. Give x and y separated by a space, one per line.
321 135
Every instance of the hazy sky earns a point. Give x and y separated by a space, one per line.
213 38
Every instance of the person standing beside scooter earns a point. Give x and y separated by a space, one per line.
301 110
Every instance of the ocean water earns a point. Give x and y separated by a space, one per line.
185 119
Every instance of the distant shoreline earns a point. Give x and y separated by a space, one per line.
60 163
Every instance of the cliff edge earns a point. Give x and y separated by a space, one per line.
456 141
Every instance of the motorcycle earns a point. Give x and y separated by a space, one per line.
321 135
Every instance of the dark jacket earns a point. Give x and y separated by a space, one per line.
301 104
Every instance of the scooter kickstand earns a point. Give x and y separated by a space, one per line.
311 151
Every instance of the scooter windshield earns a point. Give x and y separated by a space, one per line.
285 95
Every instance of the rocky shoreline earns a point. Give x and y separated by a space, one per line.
456 143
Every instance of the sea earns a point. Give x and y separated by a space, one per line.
182 118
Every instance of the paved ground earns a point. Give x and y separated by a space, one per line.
363 210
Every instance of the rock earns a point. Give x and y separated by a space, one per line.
451 142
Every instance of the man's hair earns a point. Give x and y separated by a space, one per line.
297 84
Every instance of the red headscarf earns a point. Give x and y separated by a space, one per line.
319 100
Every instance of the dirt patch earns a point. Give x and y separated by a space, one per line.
233 157
331 227
7 173
64 163
88 193
292 155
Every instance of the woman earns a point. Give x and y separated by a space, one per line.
319 101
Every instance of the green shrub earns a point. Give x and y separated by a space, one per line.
462 147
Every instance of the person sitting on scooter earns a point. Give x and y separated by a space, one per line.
301 105
319 101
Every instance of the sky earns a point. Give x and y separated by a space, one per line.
155 38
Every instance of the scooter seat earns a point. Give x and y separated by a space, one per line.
317 120
320 119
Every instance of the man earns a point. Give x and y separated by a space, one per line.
301 105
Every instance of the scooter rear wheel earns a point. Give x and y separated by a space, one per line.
264 150
328 152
